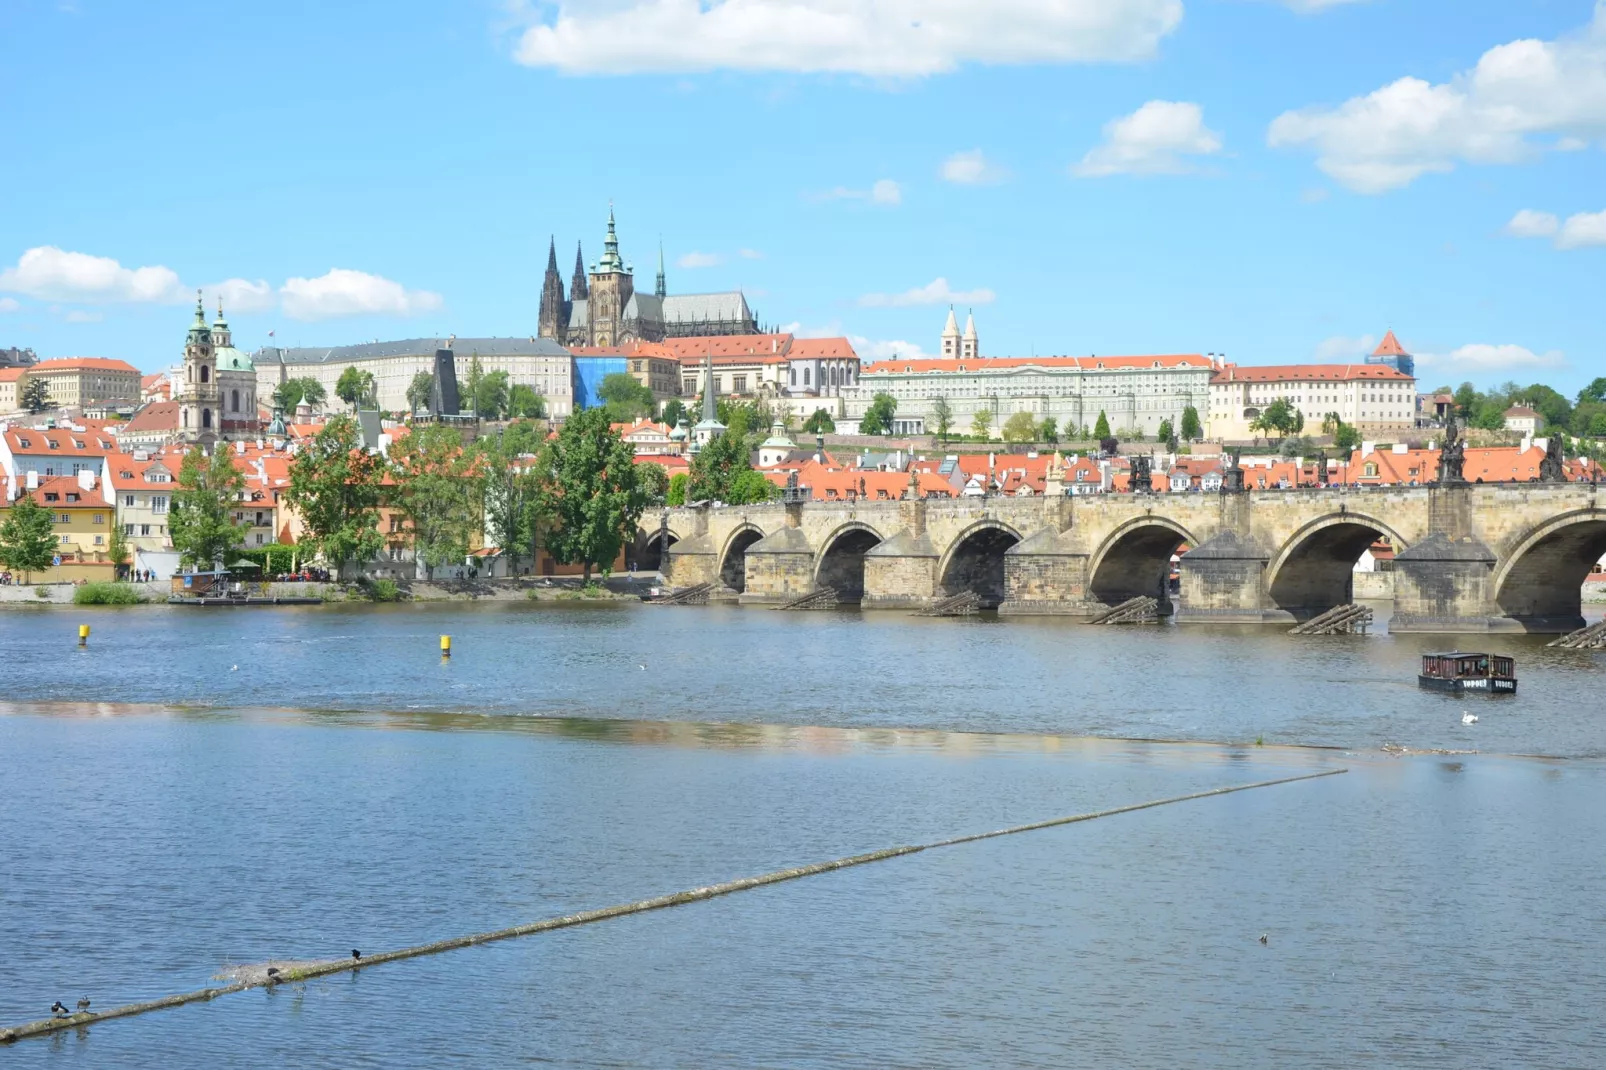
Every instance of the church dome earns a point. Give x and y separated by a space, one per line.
230 359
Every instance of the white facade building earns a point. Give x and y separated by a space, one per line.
1374 398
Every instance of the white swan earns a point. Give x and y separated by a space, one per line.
1469 718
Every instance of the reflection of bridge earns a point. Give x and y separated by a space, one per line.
1504 557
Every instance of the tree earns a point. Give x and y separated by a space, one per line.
355 386
523 437
1489 418
334 488
749 487
437 493
592 491
510 488
1020 428
199 523
1191 429
117 550
655 477
1466 399
820 423
470 391
524 403
716 474
1282 417
1101 427
877 419
419 391
625 397
1049 431
292 392
942 414
34 395
1595 391
1109 445
491 396
1165 433
677 489
981 424
27 541
1346 437
674 412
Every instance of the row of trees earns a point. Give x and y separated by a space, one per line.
1020 428
1584 416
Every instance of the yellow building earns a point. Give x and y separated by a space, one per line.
81 520
73 382
11 380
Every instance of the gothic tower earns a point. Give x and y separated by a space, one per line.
198 413
577 286
554 319
660 288
611 288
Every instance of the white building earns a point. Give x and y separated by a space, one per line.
1372 397
1523 420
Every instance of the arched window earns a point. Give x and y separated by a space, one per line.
206 417
235 400
185 417
206 374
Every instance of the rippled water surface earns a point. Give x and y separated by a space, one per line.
164 815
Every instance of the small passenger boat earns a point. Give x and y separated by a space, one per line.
1491 674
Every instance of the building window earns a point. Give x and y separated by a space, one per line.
100 518
99 540
158 503
65 538
235 399
128 501
738 384
144 529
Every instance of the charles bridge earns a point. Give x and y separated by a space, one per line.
1470 557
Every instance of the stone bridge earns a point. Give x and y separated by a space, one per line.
1471 557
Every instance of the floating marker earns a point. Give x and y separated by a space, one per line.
446 646
83 635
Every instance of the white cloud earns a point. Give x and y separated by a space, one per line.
885 191
343 292
971 169
869 350
9 304
695 259
749 254
79 315
1307 7
241 295
1488 115
1483 358
1531 224
54 274
1582 230
935 292
1154 140
1339 348
1313 195
883 38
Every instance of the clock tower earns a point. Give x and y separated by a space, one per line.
199 414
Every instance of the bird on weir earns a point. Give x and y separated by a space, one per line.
356 955
59 1009
273 973
1263 938
83 1005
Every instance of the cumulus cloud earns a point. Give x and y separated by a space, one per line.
1483 358
343 292
1157 139
1341 348
936 292
885 349
9 304
241 295
886 191
79 315
1497 113
1531 224
880 38
695 259
53 274
971 169
1579 231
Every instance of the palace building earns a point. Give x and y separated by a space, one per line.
604 308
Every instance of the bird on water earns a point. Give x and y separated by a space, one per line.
83 1005
273 972
59 1009
356 955
1263 937
1469 718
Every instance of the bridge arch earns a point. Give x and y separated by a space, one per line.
1538 582
840 563
733 559
651 545
1135 560
975 561
1315 569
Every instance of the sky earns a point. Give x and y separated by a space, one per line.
1278 181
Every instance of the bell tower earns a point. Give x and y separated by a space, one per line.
612 285
199 414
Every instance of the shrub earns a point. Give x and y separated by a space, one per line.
107 594
384 590
41 592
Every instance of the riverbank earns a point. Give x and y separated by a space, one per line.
556 589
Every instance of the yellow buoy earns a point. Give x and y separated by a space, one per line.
83 635
446 646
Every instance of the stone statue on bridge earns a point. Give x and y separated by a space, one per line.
1553 467
1453 457
1142 482
1232 473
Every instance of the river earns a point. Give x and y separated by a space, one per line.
204 788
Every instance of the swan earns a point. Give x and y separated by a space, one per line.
1469 718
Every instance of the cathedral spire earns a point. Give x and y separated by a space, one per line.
552 255
710 402
578 291
661 288
610 263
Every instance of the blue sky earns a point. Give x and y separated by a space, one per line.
1276 180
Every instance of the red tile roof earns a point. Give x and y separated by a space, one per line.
896 365
8 375
748 345
61 486
154 416
90 442
822 348
1390 347
64 364
1284 373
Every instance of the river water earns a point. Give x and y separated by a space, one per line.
200 789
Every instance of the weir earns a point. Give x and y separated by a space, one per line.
47 1026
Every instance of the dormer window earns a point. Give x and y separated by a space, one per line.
52 496
72 497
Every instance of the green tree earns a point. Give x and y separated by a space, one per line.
749 487
820 423
524 403
419 390
199 523
1101 427
34 395
117 551
1489 418
437 492
655 477
1466 400
1549 403
1020 428
1165 432
942 416
468 396
625 398
1346 437
593 492
335 489
877 419
355 386
491 396
1595 391
981 425
677 489
523 437
510 488
1049 431
1191 428
674 411
716 473
292 392
27 540
1281 417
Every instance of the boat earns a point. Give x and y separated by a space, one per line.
1491 674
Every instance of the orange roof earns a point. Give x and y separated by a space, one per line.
90 442
67 364
8 375
822 348
633 349
826 483
1520 411
1390 347
61 487
893 366
1283 373
154 416
755 347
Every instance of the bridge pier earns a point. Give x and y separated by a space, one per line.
694 559
1442 584
780 566
901 571
1223 581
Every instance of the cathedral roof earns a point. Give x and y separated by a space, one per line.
731 307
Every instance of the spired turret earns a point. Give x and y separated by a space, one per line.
950 336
